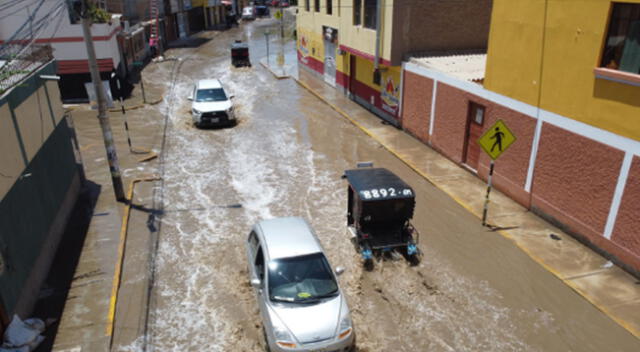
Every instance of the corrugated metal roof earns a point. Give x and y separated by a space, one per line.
469 67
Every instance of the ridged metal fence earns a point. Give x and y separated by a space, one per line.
14 67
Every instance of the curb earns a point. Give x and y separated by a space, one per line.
117 275
138 106
624 324
133 107
277 76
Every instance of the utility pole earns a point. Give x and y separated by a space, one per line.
103 118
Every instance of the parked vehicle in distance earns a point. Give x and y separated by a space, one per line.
248 13
262 11
210 104
275 3
300 301
284 3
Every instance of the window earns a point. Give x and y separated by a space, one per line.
477 113
306 5
209 95
316 5
357 12
622 45
329 7
253 240
370 13
259 264
307 278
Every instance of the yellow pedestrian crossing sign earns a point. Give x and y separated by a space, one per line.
496 140
278 15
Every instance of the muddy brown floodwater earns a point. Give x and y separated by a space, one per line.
473 291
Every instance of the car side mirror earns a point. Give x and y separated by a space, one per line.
339 270
232 96
190 98
255 283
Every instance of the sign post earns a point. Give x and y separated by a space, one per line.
266 38
495 141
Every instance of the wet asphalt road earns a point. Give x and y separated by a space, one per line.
474 290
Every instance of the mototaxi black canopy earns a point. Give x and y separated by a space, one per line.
376 184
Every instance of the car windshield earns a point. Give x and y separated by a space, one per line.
214 94
301 279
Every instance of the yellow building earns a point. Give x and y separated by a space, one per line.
569 73
564 57
342 41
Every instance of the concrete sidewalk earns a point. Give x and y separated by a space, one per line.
606 286
118 233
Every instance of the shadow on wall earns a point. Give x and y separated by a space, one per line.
609 90
55 290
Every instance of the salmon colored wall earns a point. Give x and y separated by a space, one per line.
574 179
450 122
626 232
450 132
416 104
511 168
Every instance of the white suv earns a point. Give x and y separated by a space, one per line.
210 104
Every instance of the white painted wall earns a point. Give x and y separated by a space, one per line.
61 27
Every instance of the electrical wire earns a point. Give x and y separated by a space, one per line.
25 36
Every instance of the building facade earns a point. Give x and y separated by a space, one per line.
39 184
342 41
66 39
565 77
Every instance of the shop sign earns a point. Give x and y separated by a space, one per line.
390 96
304 48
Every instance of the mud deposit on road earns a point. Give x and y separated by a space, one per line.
474 291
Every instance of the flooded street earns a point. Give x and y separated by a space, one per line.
473 291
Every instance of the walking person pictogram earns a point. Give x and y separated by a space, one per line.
498 137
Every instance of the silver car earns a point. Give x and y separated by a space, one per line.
301 304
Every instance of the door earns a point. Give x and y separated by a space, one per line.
475 121
352 76
330 62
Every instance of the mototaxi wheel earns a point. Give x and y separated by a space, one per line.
368 264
